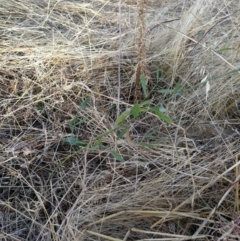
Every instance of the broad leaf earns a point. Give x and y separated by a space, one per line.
123 116
73 141
117 156
135 111
84 104
145 102
73 122
165 91
162 116
121 134
162 108
143 84
177 87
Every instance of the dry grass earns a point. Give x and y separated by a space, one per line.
59 79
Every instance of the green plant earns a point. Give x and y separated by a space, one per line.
75 122
137 109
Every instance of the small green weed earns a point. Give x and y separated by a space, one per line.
75 122
117 156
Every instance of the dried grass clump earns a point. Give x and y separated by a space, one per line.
64 79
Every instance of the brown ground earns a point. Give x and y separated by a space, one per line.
68 171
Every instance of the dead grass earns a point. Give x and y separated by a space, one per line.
59 74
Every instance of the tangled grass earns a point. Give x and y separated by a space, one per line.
73 166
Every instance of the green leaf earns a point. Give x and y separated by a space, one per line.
123 116
76 121
177 87
83 120
162 108
135 111
121 134
94 148
73 141
224 49
117 156
73 122
161 116
145 102
84 104
143 84
99 142
165 91
96 145
169 91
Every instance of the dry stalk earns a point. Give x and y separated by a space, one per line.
141 65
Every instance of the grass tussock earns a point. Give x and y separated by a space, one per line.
119 120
